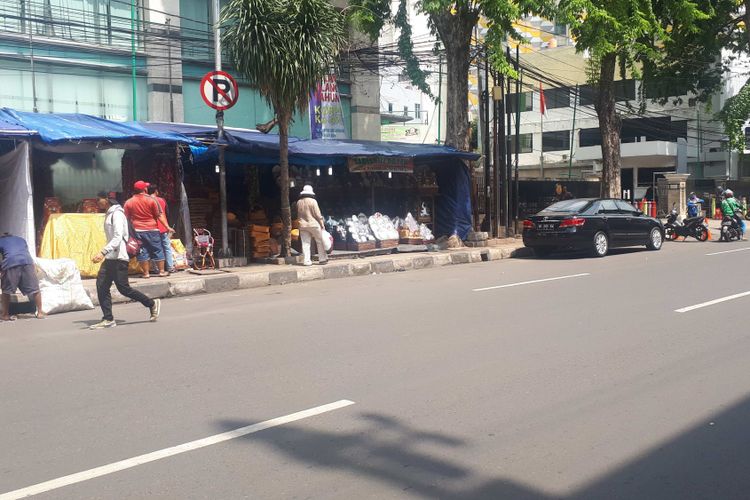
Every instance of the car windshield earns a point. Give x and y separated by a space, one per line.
567 206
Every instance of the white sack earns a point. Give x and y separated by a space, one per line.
61 286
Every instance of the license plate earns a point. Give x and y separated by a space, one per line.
546 226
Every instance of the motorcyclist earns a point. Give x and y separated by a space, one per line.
729 207
693 205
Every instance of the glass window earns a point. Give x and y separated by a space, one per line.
526 143
567 206
626 207
557 98
608 207
526 99
556 141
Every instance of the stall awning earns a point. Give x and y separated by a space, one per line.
252 146
72 131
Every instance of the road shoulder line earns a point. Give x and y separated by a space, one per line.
169 452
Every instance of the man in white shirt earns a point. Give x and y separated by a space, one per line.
114 258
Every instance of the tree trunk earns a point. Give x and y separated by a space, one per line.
747 19
455 34
609 127
286 211
457 94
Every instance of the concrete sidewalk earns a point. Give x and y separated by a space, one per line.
261 275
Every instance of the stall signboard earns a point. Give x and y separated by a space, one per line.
381 164
219 90
326 112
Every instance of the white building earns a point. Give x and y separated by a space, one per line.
407 114
680 135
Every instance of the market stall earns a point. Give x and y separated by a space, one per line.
65 160
369 192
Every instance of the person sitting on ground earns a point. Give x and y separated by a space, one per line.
17 272
114 267
144 214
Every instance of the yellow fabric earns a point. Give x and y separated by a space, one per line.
78 237
74 236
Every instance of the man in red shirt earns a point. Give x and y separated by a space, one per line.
166 236
144 215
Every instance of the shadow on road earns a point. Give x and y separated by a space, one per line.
708 461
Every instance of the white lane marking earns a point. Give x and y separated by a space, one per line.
528 283
712 302
730 251
169 452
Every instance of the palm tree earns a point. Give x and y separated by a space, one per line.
283 48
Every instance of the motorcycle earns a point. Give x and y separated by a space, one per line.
731 227
692 226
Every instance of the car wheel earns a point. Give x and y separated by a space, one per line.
655 239
601 244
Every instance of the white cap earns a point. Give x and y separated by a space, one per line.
307 190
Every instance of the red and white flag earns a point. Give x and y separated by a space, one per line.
542 102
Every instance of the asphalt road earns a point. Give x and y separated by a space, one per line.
589 386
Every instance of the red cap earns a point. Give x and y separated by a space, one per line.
141 186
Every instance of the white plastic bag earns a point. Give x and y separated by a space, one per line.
61 286
327 241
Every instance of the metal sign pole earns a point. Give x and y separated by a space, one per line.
220 135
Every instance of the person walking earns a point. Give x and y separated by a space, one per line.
144 214
166 235
311 226
17 271
114 258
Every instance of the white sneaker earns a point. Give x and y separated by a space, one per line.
103 324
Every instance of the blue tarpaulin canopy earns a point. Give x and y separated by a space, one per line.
70 131
251 146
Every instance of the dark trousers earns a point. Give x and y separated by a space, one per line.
116 271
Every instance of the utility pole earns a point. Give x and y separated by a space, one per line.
519 87
169 69
508 160
572 133
220 135
132 59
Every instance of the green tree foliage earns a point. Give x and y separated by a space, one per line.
283 48
632 36
453 22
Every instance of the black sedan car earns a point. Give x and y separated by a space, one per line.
591 224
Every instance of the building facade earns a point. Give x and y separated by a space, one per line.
674 133
143 60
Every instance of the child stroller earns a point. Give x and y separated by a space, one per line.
203 249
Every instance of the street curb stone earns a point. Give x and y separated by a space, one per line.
152 290
361 268
254 280
442 260
310 274
283 277
383 266
335 271
423 262
222 283
403 265
190 287
461 258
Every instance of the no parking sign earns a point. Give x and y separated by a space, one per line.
219 90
